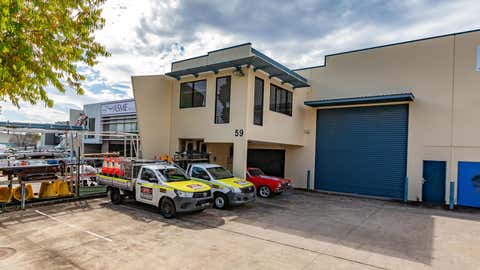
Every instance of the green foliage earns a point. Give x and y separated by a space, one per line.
41 44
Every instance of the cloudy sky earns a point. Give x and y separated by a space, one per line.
145 36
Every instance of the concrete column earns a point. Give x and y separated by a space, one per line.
240 148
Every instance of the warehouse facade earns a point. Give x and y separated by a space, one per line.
396 121
107 117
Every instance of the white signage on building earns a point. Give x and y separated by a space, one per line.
478 58
127 107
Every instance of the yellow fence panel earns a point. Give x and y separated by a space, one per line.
17 192
5 195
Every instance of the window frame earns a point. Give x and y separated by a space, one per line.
276 93
262 95
229 98
204 103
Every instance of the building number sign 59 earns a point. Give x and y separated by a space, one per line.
239 132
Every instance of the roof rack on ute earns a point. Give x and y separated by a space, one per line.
185 158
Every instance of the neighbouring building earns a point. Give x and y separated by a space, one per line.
51 140
105 119
396 121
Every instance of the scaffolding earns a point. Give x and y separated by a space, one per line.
68 166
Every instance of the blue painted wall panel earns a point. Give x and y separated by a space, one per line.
469 183
362 150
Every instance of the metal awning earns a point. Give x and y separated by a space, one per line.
402 97
259 61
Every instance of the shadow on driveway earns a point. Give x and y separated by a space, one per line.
389 228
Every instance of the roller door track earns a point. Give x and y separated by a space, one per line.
362 150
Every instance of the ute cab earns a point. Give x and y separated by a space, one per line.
267 185
227 189
169 188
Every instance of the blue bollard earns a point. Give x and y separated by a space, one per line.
308 180
405 191
452 194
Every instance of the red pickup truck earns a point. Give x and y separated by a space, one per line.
267 185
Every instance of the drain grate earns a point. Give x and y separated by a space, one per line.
6 252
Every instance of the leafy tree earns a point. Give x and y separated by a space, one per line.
42 42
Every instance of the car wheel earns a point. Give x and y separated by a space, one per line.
114 195
264 192
220 201
167 208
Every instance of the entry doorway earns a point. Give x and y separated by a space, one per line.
434 177
221 154
469 183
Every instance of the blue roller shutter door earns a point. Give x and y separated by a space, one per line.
362 150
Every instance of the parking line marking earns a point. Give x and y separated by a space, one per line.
74 226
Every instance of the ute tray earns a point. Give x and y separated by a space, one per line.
121 183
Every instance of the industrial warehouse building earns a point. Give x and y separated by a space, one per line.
107 117
397 121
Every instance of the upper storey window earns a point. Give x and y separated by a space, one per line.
258 102
193 94
222 100
280 100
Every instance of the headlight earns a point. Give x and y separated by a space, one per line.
184 194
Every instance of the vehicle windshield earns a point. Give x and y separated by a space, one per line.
173 174
255 172
219 173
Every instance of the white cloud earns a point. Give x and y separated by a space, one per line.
145 36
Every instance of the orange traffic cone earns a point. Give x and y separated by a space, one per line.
104 165
115 167
110 166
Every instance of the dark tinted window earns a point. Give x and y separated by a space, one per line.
289 102
258 102
91 127
149 175
192 94
173 174
200 173
186 92
219 173
91 124
255 172
281 100
273 94
222 101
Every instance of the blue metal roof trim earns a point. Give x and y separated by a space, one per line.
258 60
8 124
361 100
212 67
275 63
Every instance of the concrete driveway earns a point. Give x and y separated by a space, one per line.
295 231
